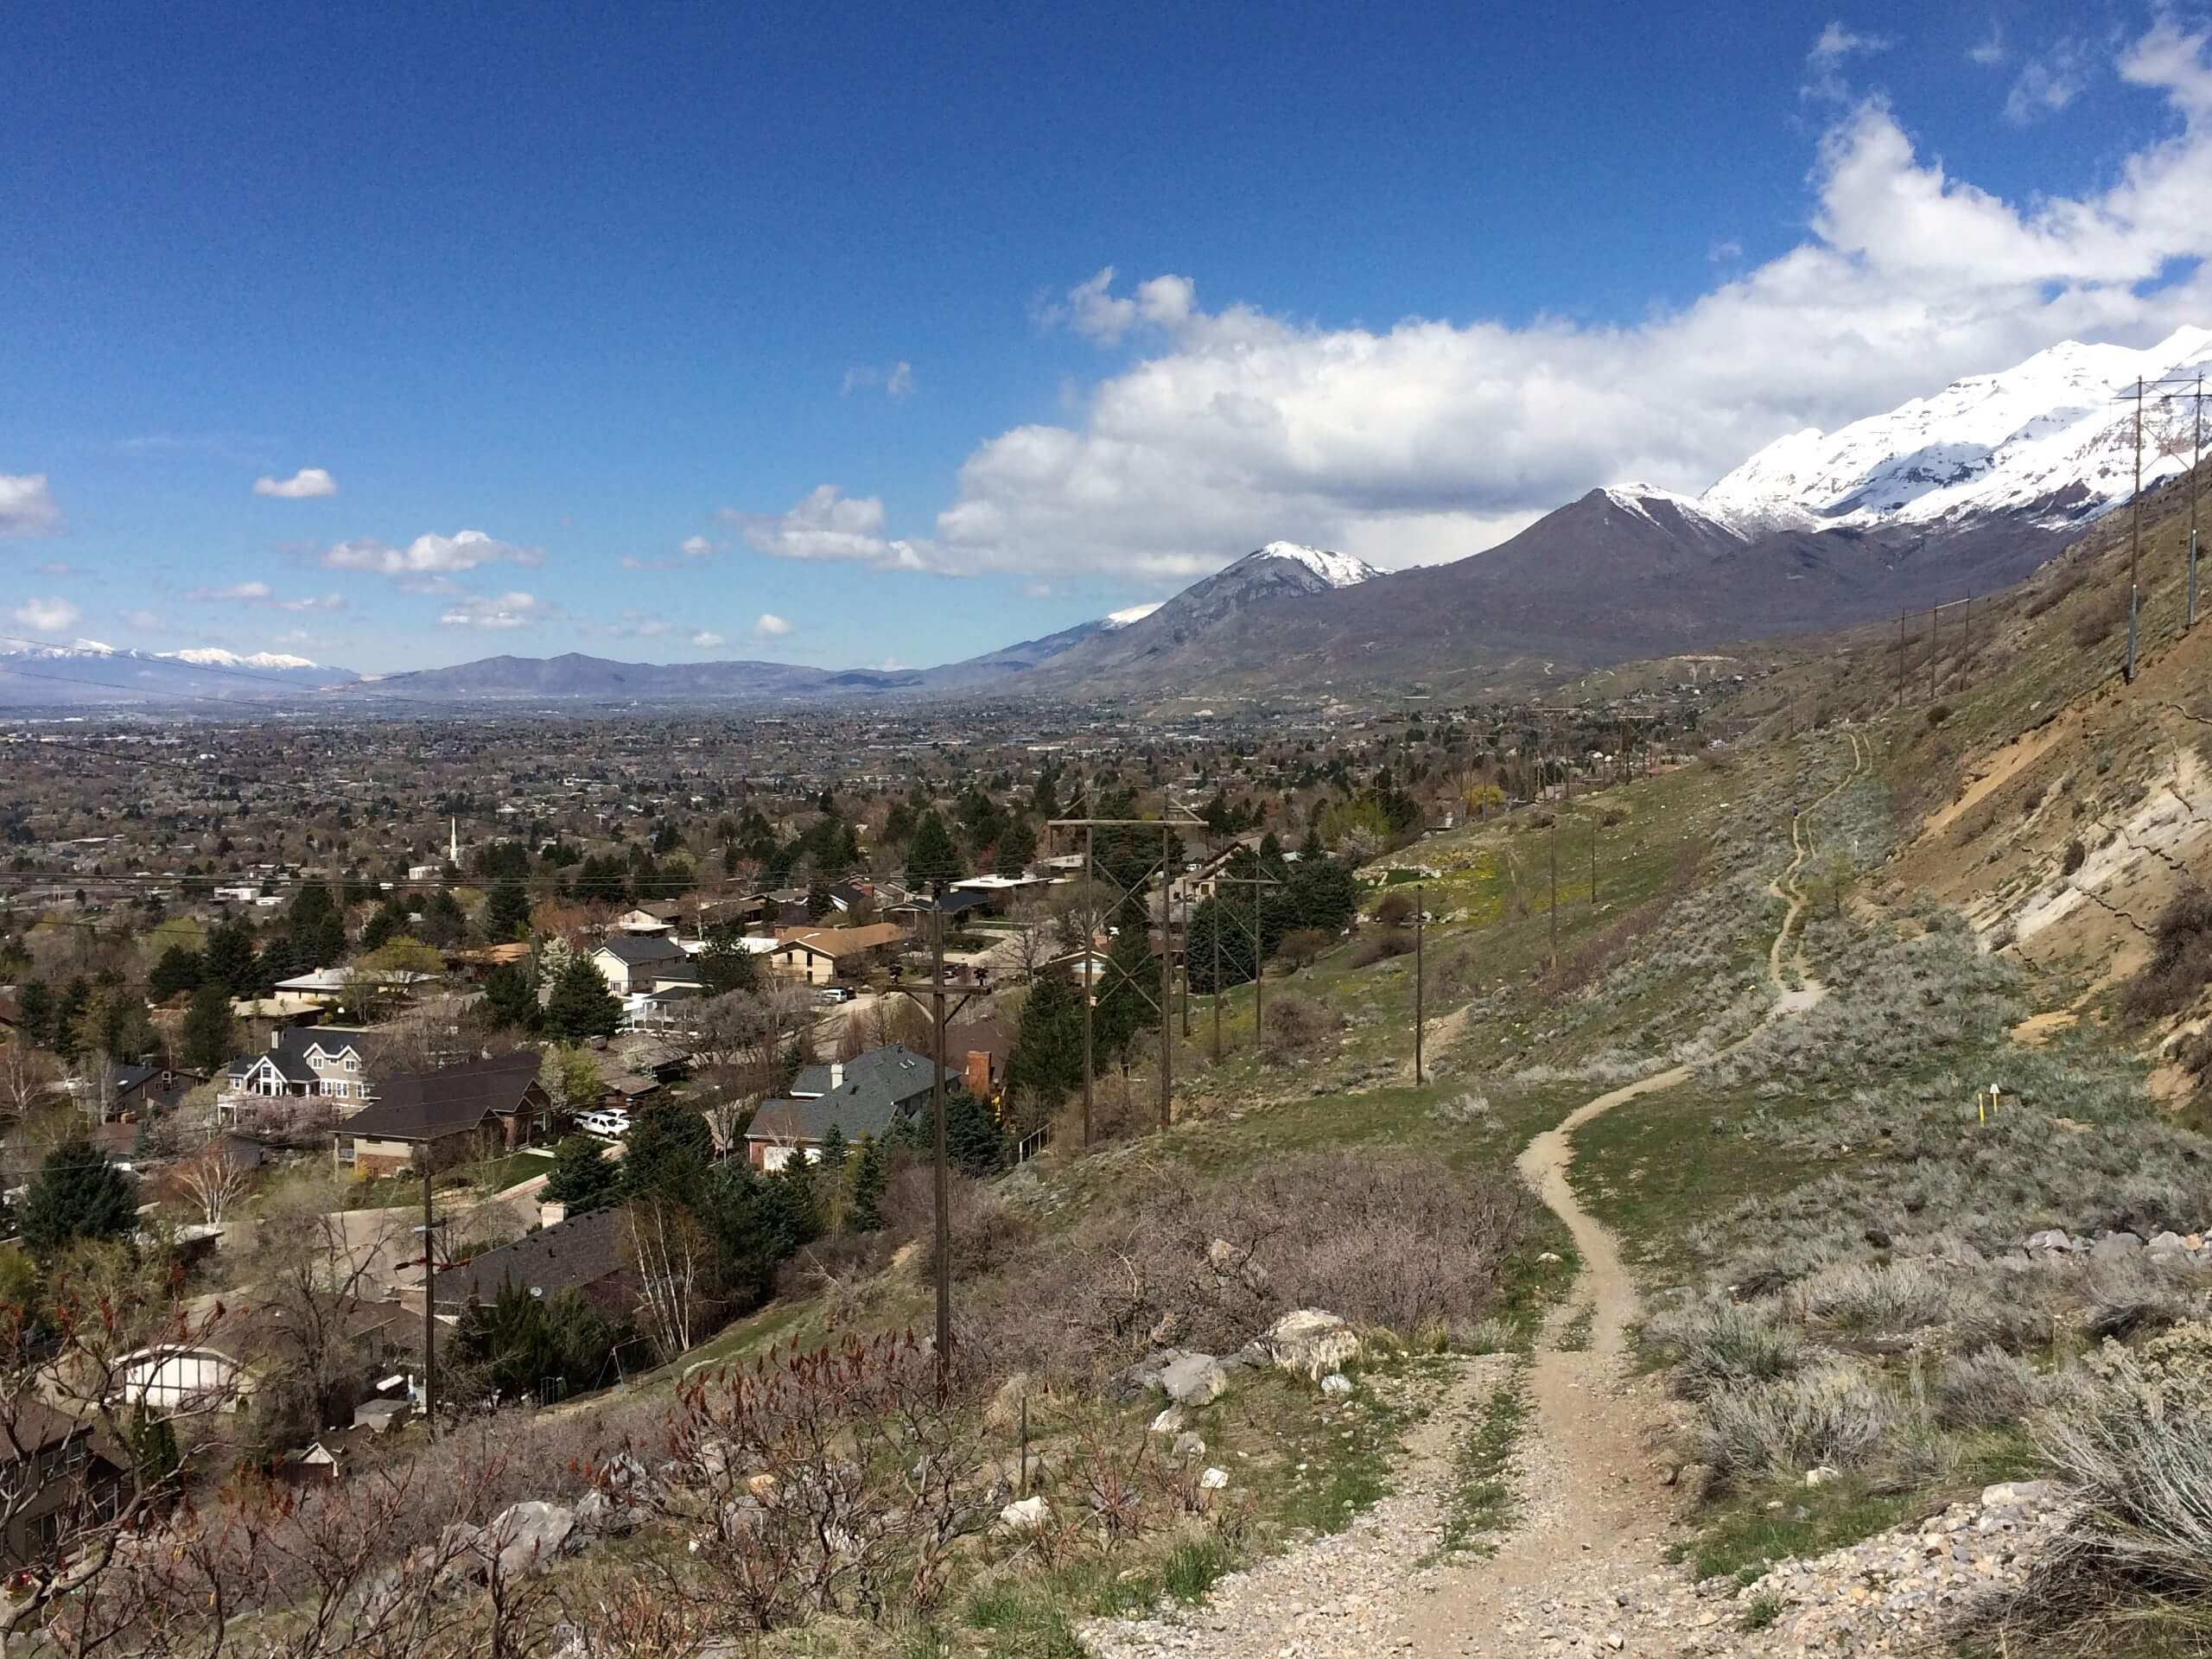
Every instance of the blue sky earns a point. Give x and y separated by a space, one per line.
546 297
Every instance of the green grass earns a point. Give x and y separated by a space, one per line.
1759 1612
497 1174
1744 1536
1575 1338
1481 1506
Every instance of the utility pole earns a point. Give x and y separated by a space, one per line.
1900 656
2135 534
1555 847
1934 640
1259 964
1216 931
1090 967
1594 828
1167 982
428 1232
1184 999
1966 642
2195 472
943 1184
1420 918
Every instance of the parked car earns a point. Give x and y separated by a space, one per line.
834 995
610 1125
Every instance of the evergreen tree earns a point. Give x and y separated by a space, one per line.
205 1041
974 1141
871 1176
818 902
581 1005
510 1001
178 970
39 1008
154 1450
67 1036
77 1194
1018 845
667 1155
725 964
506 912
230 961
933 857
834 1151
1129 981
1047 1058
582 1178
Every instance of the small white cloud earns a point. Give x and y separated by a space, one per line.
62 567
829 525
897 380
1989 51
1824 63
303 486
706 639
260 594
430 554
494 611
26 505
49 614
2047 84
1094 311
770 627
1726 251
241 593
695 547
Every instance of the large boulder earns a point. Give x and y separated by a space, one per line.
1194 1380
1311 1342
524 1538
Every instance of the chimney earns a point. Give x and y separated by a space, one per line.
273 1030
836 1075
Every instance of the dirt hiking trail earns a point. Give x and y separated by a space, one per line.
1585 1552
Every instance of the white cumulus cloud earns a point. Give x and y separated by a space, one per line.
49 614
429 555
706 639
303 486
497 611
830 524
260 594
26 505
1432 439
770 627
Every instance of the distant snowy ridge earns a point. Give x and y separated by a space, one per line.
1337 569
2051 438
1114 620
1641 498
215 657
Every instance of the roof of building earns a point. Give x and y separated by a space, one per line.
873 1090
430 1105
289 1045
641 950
835 942
567 1256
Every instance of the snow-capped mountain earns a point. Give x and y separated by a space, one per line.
90 673
2050 439
1335 569
1113 621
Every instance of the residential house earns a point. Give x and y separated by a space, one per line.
979 1051
329 1065
817 956
477 1109
863 1095
633 962
58 1474
957 907
582 1253
648 920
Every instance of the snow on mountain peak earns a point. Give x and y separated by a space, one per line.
2051 437
1640 498
1337 569
215 657
1115 620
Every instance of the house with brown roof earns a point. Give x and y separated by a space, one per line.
476 1109
817 956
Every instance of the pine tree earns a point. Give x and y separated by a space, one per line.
510 1001
582 1178
871 1176
205 1038
933 857
1047 1058
77 1194
230 957
581 1005
834 1151
974 1141
179 970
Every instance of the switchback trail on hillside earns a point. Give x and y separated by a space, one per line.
1581 1568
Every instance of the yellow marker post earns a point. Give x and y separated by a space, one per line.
1993 1099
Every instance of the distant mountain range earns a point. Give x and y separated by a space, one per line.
1959 493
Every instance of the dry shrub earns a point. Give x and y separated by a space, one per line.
1377 945
988 1233
2061 587
1395 908
2098 618
1385 1240
2181 959
1591 956
1833 1413
1302 1026
1718 1343
2076 856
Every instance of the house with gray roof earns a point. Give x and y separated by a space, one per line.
864 1095
631 962
327 1065
478 1108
